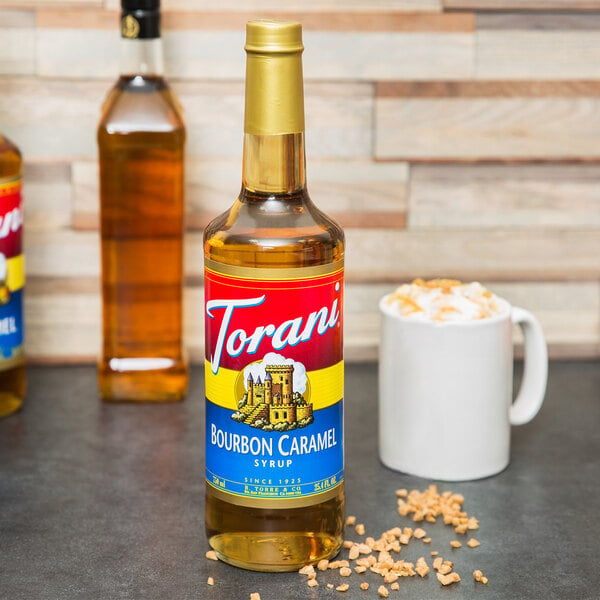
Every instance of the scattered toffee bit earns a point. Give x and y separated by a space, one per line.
479 576
379 556
210 581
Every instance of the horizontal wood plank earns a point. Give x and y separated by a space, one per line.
321 20
379 255
501 254
355 193
539 21
338 116
569 314
299 5
332 55
475 129
47 195
507 196
558 54
487 89
544 5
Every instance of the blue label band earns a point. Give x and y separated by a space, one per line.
253 463
11 326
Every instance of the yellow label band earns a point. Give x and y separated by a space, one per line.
326 385
15 272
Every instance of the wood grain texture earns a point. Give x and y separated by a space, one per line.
569 314
518 5
355 193
537 54
60 4
17 42
332 55
488 89
501 254
202 21
379 255
260 6
338 116
540 21
47 195
519 128
507 196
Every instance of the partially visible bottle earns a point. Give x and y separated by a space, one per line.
141 139
12 280
274 269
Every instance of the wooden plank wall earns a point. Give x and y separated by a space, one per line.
450 137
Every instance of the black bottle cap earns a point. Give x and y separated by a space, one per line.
140 19
130 5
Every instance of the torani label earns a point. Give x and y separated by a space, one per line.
12 273
274 383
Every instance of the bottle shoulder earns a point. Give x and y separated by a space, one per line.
273 231
10 158
141 104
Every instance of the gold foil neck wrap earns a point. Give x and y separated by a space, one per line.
274 87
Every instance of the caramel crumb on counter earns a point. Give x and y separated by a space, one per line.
210 581
449 578
343 588
473 543
479 576
254 596
212 555
322 565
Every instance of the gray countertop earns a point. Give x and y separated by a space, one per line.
106 501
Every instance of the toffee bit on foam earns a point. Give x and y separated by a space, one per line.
441 300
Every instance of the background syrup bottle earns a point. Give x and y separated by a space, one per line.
12 280
273 288
141 139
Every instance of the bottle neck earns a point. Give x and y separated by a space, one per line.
274 163
274 160
141 57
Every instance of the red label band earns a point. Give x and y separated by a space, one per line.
11 218
247 318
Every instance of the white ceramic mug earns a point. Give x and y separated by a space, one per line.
445 392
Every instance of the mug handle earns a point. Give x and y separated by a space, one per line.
535 374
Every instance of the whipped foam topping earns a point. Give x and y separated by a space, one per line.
445 300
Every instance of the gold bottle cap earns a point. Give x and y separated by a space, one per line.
272 35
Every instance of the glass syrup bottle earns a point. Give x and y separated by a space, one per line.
274 359
141 137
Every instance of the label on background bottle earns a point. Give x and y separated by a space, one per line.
12 273
274 383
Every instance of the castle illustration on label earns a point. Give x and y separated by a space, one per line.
272 404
